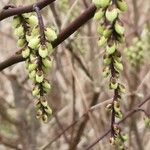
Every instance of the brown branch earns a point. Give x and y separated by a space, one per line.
5 13
64 34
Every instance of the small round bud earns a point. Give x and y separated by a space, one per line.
100 29
106 60
113 84
47 62
102 41
19 31
32 75
32 21
122 88
35 31
46 86
36 91
106 71
99 14
34 42
119 28
21 42
25 52
43 101
16 22
122 5
50 34
118 66
39 76
111 49
111 15
32 66
49 48
43 51
48 110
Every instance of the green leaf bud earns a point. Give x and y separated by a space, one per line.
46 86
111 49
26 63
121 39
28 37
106 60
106 71
119 28
99 14
118 66
43 51
26 15
43 101
32 66
122 5
32 75
102 41
34 42
113 84
45 69
100 29
35 31
125 137
117 56
111 15
36 91
32 20
101 3
33 57
25 52
16 22
97 3
48 110
39 76
21 42
119 114
19 31
50 34
49 48
47 62
122 88
107 33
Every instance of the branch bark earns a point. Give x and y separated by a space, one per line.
5 13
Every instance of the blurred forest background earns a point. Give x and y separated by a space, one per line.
77 83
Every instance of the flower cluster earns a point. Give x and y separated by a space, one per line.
135 52
35 49
111 33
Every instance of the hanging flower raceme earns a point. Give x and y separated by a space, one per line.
111 33
136 51
36 51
